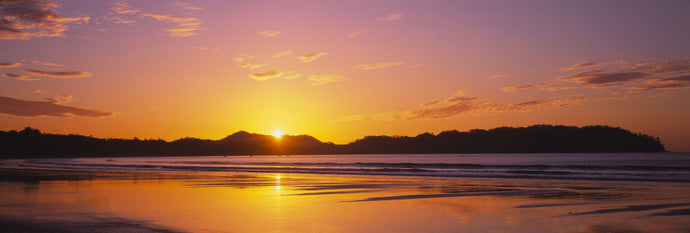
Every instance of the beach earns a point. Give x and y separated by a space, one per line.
39 197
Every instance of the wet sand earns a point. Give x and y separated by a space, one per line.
59 200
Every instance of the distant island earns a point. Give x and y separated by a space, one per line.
31 143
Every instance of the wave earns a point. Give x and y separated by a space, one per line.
471 170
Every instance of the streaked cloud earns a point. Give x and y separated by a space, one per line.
27 108
185 6
10 65
509 89
356 33
62 99
311 57
415 66
292 75
36 90
268 34
19 77
58 74
45 63
266 75
496 76
281 54
392 17
376 66
184 25
123 7
583 65
202 50
556 88
456 106
244 61
25 20
325 79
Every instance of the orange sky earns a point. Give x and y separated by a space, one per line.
340 70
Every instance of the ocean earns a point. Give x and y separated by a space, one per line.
654 167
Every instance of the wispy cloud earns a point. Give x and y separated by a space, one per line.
244 61
36 90
123 7
311 57
185 6
459 104
10 65
31 19
19 77
184 25
58 74
325 79
509 89
392 17
281 54
415 66
26 108
266 75
268 34
202 50
45 63
376 66
292 75
583 65
62 99
497 76
356 33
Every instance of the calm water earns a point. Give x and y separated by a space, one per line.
658 167
349 193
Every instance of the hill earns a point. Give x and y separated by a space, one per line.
31 142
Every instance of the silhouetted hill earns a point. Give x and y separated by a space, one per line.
533 139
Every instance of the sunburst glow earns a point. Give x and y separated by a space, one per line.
277 133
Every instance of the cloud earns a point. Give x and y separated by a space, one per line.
26 108
355 33
497 76
185 6
36 91
244 61
680 82
392 17
580 66
59 99
266 75
376 66
603 78
509 89
281 54
459 104
556 88
19 77
203 50
184 25
10 65
29 19
123 7
45 63
415 66
311 57
325 78
58 74
292 75
268 34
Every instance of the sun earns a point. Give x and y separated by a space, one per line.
277 133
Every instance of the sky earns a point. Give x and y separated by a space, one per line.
342 70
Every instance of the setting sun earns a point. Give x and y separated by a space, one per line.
277 133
